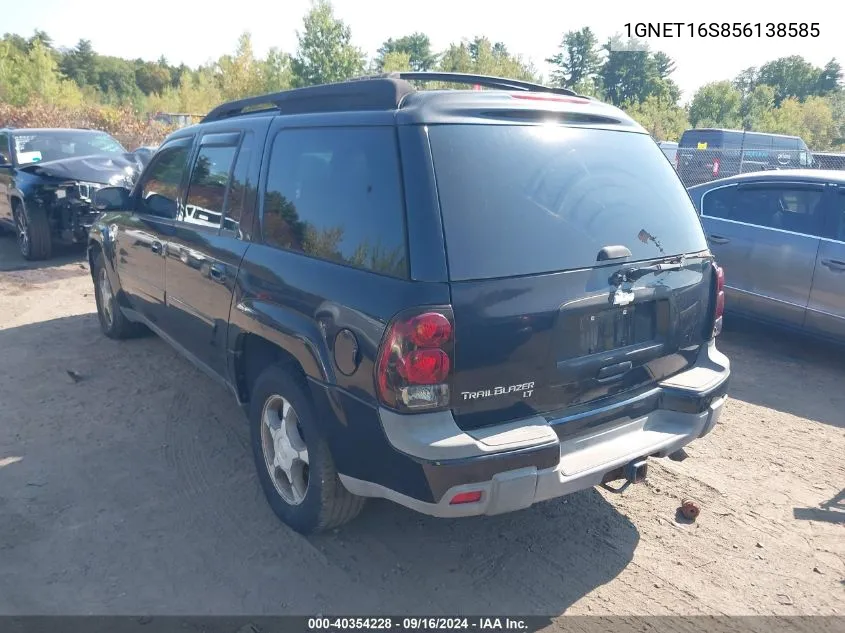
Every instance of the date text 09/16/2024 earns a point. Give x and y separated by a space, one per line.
723 29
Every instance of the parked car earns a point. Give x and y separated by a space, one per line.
540 322
829 160
709 154
144 153
47 178
669 149
781 238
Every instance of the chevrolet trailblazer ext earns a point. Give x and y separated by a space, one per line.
463 301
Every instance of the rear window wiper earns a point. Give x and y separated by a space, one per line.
632 273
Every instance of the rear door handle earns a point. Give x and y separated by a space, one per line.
155 247
217 273
834 264
718 239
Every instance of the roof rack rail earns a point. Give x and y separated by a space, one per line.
371 92
486 81
381 93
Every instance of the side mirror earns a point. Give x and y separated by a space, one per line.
4 162
110 199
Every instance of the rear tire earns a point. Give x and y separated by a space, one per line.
33 232
311 498
113 322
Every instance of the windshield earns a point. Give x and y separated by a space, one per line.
39 147
522 200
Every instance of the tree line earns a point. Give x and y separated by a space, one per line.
787 95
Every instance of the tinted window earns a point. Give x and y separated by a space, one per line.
757 141
719 203
4 149
786 207
701 139
335 194
160 187
784 143
207 191
519 200
242 191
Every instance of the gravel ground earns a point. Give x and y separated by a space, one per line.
129 488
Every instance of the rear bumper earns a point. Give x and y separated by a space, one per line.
516 465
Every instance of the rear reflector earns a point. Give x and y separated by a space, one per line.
466 497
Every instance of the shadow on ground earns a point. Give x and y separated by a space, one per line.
785 371
831 511
12 260
131 489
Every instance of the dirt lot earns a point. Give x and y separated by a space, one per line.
131 490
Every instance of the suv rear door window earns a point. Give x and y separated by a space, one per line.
335 194
241 192
207 191
523 200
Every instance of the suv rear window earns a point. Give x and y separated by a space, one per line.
523 200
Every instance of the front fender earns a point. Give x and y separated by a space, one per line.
100 237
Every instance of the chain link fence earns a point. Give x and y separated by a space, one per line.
696 166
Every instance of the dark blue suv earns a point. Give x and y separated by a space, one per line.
465 301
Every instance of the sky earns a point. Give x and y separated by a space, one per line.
192 32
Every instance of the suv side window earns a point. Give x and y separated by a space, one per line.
204 204
787 207
241 190
336 194
159 190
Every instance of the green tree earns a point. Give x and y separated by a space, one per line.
663 119
41 37
240 75
115 78
631 73
395 61
151 77
277 74
481 57
830 78
717 104
417 46
325 53
78 64
791 76
577 61
756 106
747 80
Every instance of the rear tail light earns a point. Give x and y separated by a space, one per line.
677 160
719 307
415 360
715 166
